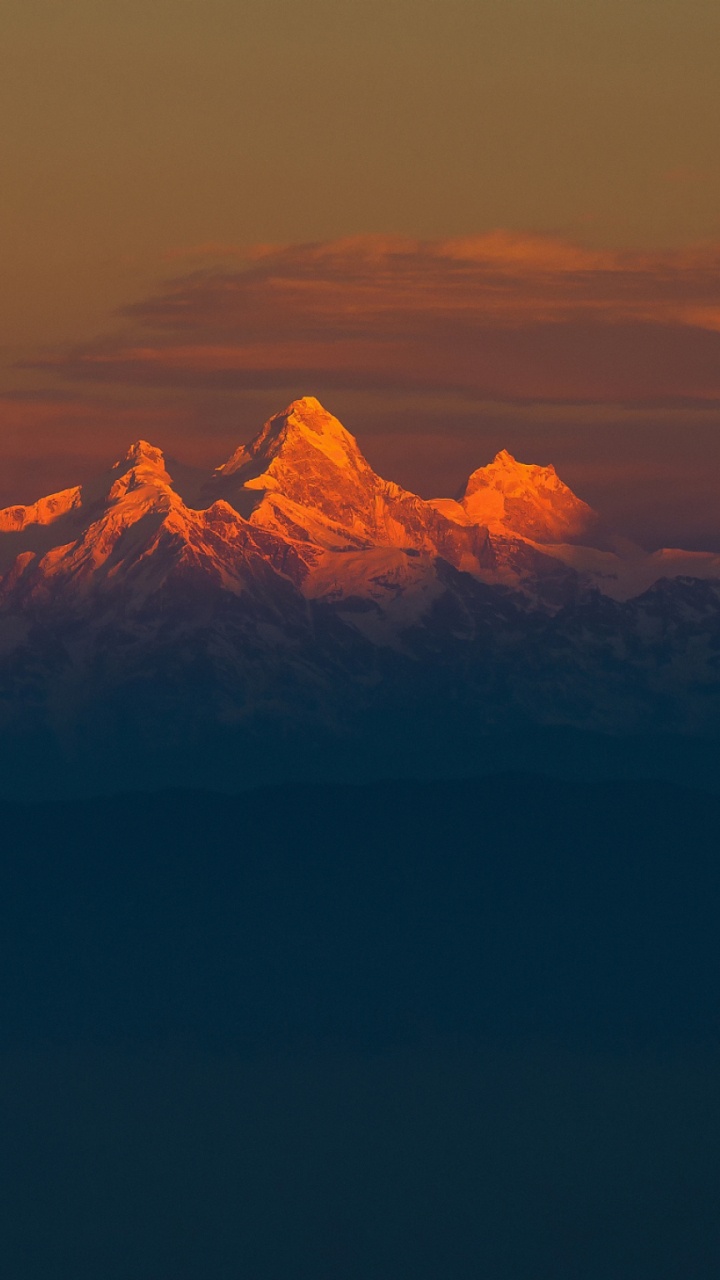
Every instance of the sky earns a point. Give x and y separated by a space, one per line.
463 225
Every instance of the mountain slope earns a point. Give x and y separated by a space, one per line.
511 497
305 488
133 528
305 478
306 607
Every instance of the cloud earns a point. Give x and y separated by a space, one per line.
503 317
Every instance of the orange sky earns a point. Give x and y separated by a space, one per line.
146 148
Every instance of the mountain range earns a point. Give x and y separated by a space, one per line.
293 604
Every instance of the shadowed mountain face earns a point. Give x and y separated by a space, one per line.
294 604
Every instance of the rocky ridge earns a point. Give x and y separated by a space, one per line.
296 591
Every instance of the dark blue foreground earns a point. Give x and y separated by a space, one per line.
457 1031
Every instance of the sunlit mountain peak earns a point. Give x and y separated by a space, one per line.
305 477
507 461
301 500
526 499
301 431
143 468
141 453
43 512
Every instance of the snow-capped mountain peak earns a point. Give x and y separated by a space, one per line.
43 512
292 439
304 498
333 589
142 454
304 475
305 478
531 501
143 465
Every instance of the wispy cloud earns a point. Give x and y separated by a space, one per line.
464 346
436 353
501 316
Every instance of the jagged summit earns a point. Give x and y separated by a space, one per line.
335 600
141 471
141 453
45 511
304 426
527 500
143 463
304 476
301 492
503 458
509 475
303 472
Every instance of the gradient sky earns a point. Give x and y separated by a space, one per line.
484 225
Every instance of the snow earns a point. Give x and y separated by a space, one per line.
305 419
43 512
517 497
324 518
